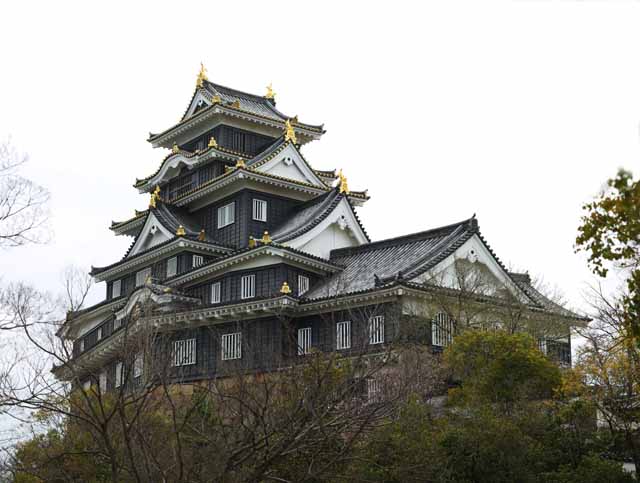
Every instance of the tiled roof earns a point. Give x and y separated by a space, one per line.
402 257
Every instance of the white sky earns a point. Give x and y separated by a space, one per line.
516 111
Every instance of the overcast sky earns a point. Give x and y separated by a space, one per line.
515 111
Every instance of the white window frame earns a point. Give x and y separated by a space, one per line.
116 283
304 341
172 267
216 293
142 275
227 214
248 286
259 210
184 352
376 330
138 365
442 328
119 373
303 284
343 335
102 381
231 346
99 334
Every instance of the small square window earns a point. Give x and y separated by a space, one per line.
116 288
343 335
184 352
226 215
376 330
248 287
231 346
172 267
303 284
304 341
259 210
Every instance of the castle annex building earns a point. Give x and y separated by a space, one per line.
248 254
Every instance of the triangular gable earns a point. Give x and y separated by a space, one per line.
340 229
199 102
474 253
290 164
153 233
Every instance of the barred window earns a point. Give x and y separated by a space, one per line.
138 365
442 328
116 289
343 335
216 292
99 333
248 287
142 275
197 260
259 210
184 352
103 381
303 284
232 346
304 341
376 330
227 214
172 267
374 389
119 373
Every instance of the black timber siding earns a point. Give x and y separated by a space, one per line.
231 138
237 234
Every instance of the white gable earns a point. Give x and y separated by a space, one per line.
198 100
152 234
339 230
476 253
289 164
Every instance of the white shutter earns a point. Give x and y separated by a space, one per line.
376 330
231 346
304 341
172 267
248 287
216 293
119 373
259 210
138 365
99 336
226 215
303 284
343 335
116 289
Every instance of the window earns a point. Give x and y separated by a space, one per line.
99 336
376 330
442 328
117 323
197 260
81 345
116 289
542 345
374 388
142 276
303 284
216 292
226 215
184 352
343 335
119 373
138 365
172 267
248 287
304 341
259 210
232 346
86 385
103 381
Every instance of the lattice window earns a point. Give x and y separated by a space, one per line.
116 289
442 328
374 389
248 287
142 276
172 267
303 284
226 215
216 292
259 210
343 335
197 260
184 352
119 373
376 330
304 341
231 346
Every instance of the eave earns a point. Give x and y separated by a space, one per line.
131 226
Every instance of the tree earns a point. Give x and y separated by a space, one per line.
23 204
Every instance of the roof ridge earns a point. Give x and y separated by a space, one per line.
403 239
237 91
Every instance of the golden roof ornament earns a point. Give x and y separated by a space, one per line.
213 143
240 163
270 94
181 231
175 148
252 242
201 236
202 76
147 281
266 239
285 289
289 133
216 99
344 188
236 104
155 197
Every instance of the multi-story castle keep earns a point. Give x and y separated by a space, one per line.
247 254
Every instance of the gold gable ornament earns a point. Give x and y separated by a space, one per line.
344 188
236 104
175 149
213 143
240 163
252 242
266 239
155 197
289 133
216 100
201 236
285 289
270 94
181 231
202 76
